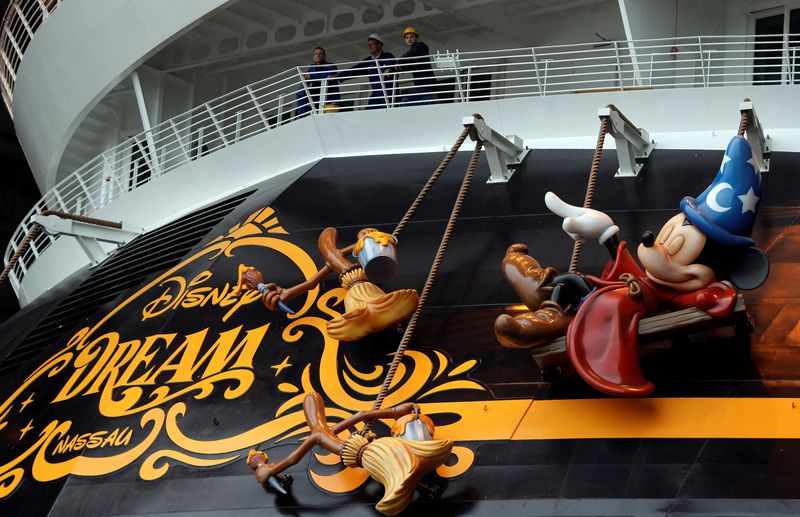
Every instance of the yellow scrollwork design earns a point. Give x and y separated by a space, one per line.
347 388
465 457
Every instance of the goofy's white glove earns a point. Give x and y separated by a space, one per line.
582 223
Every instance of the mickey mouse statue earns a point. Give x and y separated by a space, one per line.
706 242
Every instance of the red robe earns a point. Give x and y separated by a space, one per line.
602 340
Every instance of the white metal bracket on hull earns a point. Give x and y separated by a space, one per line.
86 234
504 153
760 143
633 144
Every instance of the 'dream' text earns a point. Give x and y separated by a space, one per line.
141 371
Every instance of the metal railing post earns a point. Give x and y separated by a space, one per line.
619 65
458 81
260 111
181 144
383 85
469 82
323 93
60 200
85 190
146 157
546 68
309 100
281 103
216 125
237 127
200 135
702 67
536 69
785 60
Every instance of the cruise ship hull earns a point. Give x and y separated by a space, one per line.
139 386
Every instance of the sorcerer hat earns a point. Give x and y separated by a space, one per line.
726 210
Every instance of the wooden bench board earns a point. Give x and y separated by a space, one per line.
653 329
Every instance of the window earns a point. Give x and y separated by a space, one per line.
770 53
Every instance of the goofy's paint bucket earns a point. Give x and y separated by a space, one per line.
376 253
413 427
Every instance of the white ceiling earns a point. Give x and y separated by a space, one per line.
279 34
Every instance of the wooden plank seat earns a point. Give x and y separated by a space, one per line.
653 331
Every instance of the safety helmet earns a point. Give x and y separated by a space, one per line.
410 30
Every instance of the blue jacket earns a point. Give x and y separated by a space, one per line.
316 73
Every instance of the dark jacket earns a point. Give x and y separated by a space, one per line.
373 67
419 64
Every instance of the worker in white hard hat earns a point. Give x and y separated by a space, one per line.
374 66
417 61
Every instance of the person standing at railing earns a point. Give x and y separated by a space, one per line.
417 61
313 77
374 66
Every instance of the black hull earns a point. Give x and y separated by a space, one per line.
610 469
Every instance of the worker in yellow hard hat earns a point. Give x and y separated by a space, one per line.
417 61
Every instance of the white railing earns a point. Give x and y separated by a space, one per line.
20 22
460 77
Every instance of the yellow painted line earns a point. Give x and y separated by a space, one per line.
527 419
482 420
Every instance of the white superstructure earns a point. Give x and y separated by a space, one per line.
141 110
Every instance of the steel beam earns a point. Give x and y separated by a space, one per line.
633 144
504 153
760 143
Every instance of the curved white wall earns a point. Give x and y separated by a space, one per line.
85 48
689 118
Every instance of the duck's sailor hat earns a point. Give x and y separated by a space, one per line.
726 210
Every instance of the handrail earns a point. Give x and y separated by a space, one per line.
20 22
698 62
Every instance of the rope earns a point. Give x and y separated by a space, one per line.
36 228
431 181
84 219
437 261
590 188
743 124
23 247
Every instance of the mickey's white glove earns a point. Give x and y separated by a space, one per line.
582 223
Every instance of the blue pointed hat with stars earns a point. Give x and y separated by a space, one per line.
726 210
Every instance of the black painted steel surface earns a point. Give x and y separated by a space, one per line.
642 476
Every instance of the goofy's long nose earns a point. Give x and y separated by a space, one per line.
648 239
